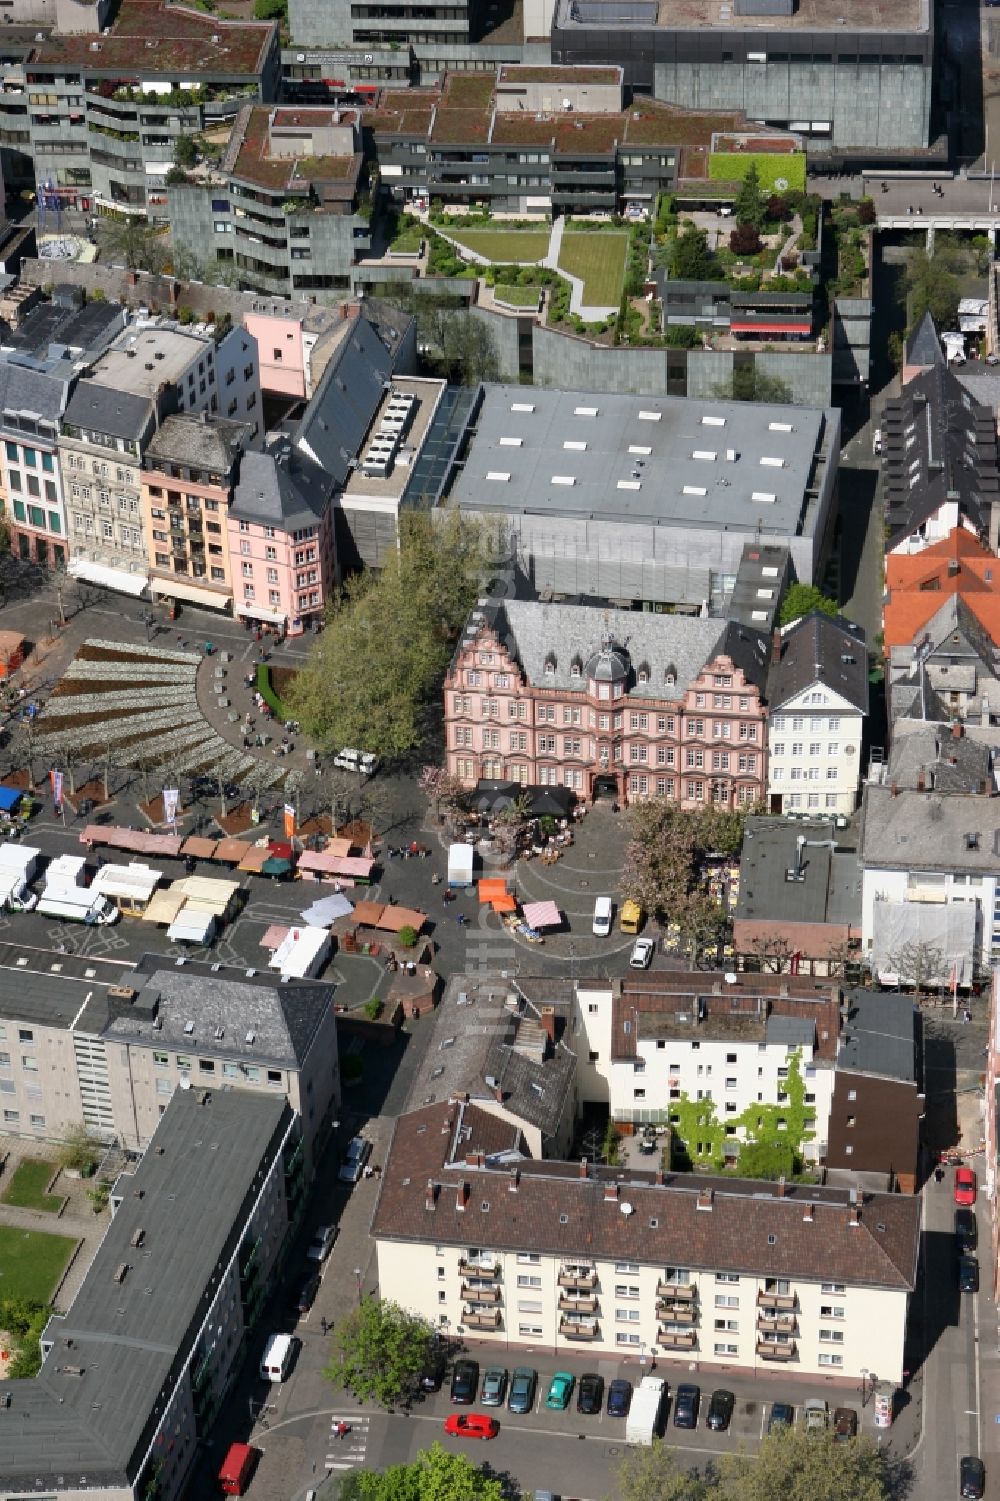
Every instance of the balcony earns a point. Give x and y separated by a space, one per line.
677 1313
682 1291
479 1269
768 1350
676 1339
578 1304
582 1329
579 1278
780 1302
785 1323
481 1318
480 1294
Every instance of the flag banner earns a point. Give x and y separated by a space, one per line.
171 797
56 778
289 821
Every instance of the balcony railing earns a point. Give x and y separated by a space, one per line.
480 1294
769 1350
676 1339
577 1304
681 1290
677 1313
481 1318
479 1268
783 1302
585 1329
782 1323
583 1279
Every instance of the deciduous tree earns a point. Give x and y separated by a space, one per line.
379 1352
798 1466
435 1475
803 598
656 1473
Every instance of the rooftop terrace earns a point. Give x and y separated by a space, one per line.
175 41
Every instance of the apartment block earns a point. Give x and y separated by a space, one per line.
280 537
737 1275
877 1110
112 1052
551 694
32 403
162 1318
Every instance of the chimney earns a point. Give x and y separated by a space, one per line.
583 1167
956 730
894 790
498 1094
514 1181
475 1159
776 647
462 1197
705 1199
807 1214
431 1199
781 1186
921 781
548 1019
611 1193
855 1218
659 1177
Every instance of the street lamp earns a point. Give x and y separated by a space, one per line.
359 1276
868 1383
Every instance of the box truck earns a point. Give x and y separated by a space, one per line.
643 1422
18 864
460 857
76 904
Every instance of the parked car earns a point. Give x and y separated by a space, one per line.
559 1392
720 1410
357 1154
968 1274
815 1415
322 1243
307 1294
965 1187
494 1387
782 1415
642 953
432 1374
522 1389
966 1230
972 1477
686 1400
471 1425
845 1424
465 1382
603 912
590 1394
619 1398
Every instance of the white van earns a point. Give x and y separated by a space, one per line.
277 1358
602 917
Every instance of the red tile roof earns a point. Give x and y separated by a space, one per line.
917 585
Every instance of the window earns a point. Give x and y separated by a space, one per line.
726 1277
831 1311
833 1287
524 1280
25 1034
182 1061
38 1121
11 1117
274 1076
626 1289
726 1300
530 1331
625 1339
726 1349
206 1066
164 1086
827 1358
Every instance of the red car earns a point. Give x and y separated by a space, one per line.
471 1425
965 1186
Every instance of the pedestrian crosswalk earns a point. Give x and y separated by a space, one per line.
347 1452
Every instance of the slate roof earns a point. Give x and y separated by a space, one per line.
86 1421
550 1208
280 487
26 390
881 1036
284 1019
954 655
822 649
944 762
675 648
927 831
923 346
198 441
831 890
340 413
938 444
105 410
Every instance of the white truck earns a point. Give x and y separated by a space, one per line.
460 857
18 864
643 1422
77 904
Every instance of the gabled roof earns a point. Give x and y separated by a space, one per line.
923 346
342 407
198 440
934 756
902 830
823 649
280 487
26 390
881 1036
917 584
102 409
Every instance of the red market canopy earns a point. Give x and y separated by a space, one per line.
505 903
492 889
167 846
542 915
394 919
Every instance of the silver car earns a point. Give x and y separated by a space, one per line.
494 1387
357 1154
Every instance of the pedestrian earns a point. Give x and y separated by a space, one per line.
324 1326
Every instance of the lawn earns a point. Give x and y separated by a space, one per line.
27 1187
31 1263
504 247
526 297
597 257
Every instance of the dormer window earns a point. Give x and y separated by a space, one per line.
670 675
642 673
550 665
575 667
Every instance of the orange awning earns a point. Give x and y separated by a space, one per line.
505 903
491 888
394 918
368 914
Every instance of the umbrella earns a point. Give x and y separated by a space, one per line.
554 801
275 867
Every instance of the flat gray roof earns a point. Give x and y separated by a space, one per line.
56 990
86 1421
830 890
661 460
881 1035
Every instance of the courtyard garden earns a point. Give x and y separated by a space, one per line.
498 245
31 1263
28 1187
597 257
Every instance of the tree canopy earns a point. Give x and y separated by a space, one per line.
435 1475
788 1466
933 286
665 848
138 244
750 206
379 662
379 1351
801 599
691 259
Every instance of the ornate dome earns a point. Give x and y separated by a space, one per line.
609 665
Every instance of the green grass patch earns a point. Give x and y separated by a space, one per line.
31 1263
526 297
777 174
599 261
268 694
408 241
504 245
27 1187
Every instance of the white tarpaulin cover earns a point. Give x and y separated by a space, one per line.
322 913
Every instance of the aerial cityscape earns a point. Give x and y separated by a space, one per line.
499 750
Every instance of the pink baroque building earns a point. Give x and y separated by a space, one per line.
609 702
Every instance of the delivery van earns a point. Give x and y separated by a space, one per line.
603 912
237 1468
276 1361
632 917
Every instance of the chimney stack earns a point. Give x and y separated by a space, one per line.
475 1159
515 1179
807 1214
855 1215
659 1177
921 781
462 1197
956 730
781 1186
611 1193
705 1199
548 1019
894 790
498 1094
431 1199
583 1167
776 647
